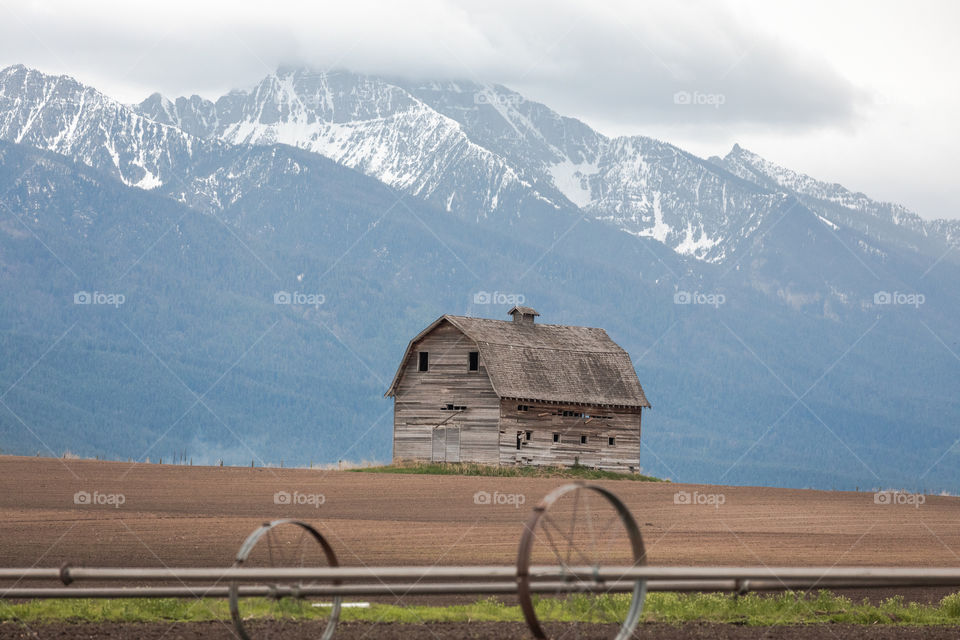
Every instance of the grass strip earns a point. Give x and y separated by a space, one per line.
788 608
578 472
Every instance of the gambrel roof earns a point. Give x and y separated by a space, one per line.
547 362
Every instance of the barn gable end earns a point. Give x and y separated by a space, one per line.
447 413
517 392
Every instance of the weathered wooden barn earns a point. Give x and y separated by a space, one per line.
515 392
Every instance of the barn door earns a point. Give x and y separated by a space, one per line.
439 445
453 443
446 444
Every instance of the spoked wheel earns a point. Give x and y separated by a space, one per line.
581 525
285 544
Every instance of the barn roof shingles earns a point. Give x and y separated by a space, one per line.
548 362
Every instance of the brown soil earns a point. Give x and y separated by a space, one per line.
182 516
199 516
473 630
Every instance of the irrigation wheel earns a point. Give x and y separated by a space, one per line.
580 525
285 544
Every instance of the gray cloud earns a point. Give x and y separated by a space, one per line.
617 65
693 65
689 64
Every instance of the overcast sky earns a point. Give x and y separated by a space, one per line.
865 93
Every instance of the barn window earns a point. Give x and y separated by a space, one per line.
529 435
556 437
583 439
424 361
474 361
611 441
523 407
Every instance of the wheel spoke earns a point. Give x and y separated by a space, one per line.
270 545
613 536
573 519
547 518
593 539
553 546
300 551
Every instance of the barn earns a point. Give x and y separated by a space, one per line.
516 392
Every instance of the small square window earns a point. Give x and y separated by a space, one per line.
529 435
556 437
424 361
611 442
474 361
583 439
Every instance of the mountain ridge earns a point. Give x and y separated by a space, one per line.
478 150
632 182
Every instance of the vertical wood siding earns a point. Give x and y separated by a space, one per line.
420 396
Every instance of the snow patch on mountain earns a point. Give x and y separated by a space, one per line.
660 229
695 247
828 223
573 180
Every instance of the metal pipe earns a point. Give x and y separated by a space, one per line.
29 574
424 588
402 589
900 575
264 591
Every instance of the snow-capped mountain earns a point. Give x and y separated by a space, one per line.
481 150
837 205
641 185
364 123
57 113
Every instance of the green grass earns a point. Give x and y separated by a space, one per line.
577 472
673 608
